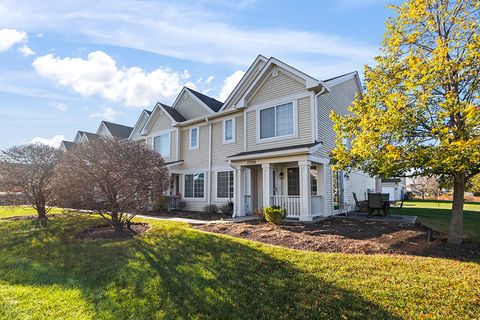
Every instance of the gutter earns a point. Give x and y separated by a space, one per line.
208 117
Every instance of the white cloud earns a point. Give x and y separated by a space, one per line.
54 142
107 113
11 37
229 84
26 51
99 75
59 106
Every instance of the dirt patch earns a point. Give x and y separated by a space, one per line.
105 231
191 215
351 236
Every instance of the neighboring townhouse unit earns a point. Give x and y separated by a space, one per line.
267 144
395 187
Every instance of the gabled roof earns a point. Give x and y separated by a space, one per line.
116 130
259 63
67 145
341 78
173 113
212 103
90 135
141 121
310 82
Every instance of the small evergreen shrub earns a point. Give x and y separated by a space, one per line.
182 205
261 214
210 209
274 214
161 204
227 208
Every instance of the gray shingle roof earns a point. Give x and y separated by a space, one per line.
212 103
90 135
301 146
173 113
68 144
118 130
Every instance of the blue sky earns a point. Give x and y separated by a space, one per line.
67 65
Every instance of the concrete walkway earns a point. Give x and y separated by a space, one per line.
198 221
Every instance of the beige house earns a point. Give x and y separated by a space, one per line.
267 144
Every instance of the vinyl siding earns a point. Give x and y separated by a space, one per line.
197 158
274 87
328 190
104 132
304 128
338 99
246 85
163 124
357 182
190 108
221 151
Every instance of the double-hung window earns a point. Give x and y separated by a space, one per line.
195 185
161 144
277 121
194 138
229 131
225 184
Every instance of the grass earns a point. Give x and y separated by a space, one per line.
6 211
176 272
437 215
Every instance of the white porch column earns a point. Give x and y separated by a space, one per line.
239 206
267 184
378 184
322 187
305 191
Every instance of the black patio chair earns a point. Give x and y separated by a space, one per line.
375 203
362 206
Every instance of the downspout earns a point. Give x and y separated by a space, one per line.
316 111
209 200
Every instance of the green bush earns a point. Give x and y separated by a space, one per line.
210 209
161 204
261 214
274 214
227 208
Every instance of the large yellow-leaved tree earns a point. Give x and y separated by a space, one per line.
420 112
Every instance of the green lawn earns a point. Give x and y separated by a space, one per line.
22 211
437 215
176 272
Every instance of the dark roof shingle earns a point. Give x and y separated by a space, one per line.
212 103
173 113
300 146
118 130
68 144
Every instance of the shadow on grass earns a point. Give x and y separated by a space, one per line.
174 272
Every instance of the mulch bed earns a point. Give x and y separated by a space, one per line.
199 215
105 231
351 236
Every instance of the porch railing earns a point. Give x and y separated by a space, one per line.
291 204
174 202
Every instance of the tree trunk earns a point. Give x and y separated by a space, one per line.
117 225
456 224
41 211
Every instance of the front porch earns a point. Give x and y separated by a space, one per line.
296 184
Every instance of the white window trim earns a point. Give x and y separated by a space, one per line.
216 185
278 138
190 138
204 187
158 134
233 131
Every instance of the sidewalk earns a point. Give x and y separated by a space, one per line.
198 221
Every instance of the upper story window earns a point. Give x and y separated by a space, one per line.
194 138
161 144
277 121
229 131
